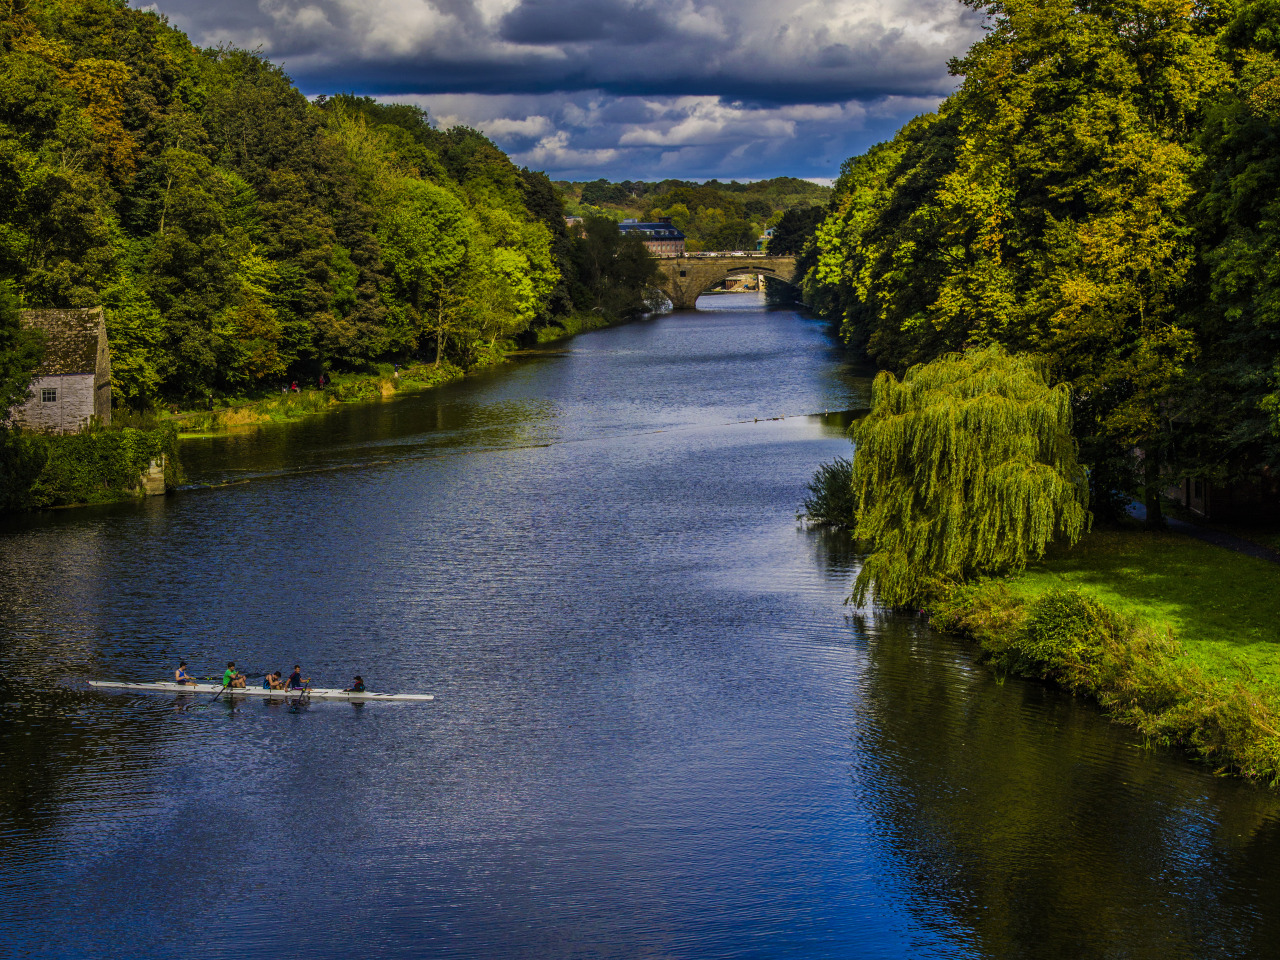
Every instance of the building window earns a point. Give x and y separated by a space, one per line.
1197 489
49 395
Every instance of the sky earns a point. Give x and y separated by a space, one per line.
622 89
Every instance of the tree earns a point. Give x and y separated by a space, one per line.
424 240
20 354
794 230
965 467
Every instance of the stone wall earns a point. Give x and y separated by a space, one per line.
71 411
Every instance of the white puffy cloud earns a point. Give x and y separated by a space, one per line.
592 134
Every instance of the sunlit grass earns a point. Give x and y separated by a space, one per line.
1223 606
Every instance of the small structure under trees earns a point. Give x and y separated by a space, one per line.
965 467
73 382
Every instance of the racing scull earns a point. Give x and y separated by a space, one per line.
317 693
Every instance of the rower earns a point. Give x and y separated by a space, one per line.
180 676
357 685
231 678
295 679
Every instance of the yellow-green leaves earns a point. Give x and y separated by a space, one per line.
966 466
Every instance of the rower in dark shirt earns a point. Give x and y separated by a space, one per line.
295 679
357 685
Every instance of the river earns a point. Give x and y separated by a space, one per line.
657 731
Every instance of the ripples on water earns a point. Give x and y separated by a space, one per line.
657 732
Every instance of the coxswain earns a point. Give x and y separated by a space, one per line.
231 678
357 685
181 676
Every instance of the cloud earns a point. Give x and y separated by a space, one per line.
592 134
621 87
797 51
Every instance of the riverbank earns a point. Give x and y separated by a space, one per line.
386 381
1170 635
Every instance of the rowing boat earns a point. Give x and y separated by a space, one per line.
321 693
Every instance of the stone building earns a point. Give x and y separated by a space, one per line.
73 383
663 238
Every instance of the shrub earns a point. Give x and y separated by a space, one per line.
830 502
101 465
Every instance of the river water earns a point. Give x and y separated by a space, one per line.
657 733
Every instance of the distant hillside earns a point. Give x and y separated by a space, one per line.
713 215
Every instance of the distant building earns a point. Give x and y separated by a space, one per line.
763 240
662 238
73 384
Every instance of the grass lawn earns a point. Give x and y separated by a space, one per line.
1222 606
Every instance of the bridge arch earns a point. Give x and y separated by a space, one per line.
687 277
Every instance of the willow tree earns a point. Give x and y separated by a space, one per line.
965 467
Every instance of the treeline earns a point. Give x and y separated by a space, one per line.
1103 192
712 215
238 234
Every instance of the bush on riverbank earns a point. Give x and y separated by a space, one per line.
38 471
830 502
1139 674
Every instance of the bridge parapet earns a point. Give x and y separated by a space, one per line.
687 276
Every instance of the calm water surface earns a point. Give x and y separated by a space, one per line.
657 732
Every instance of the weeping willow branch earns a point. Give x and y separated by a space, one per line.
965 467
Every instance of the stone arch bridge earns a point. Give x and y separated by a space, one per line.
686 277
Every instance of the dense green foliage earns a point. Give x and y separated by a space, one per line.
236 233
1102 191
712 215
965 467
20 354
794 229
830 501
93 466
101 466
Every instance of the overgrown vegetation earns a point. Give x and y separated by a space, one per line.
38 471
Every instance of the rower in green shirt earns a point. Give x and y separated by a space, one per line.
231 678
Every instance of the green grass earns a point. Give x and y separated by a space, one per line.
1222 606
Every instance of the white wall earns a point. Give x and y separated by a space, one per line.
68 413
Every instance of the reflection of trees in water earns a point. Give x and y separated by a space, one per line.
834 553
1043 831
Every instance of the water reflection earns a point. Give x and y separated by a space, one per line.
658 730
1046 833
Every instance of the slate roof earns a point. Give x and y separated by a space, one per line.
664 231
71 344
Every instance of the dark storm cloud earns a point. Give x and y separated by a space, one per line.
723 87
577 21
